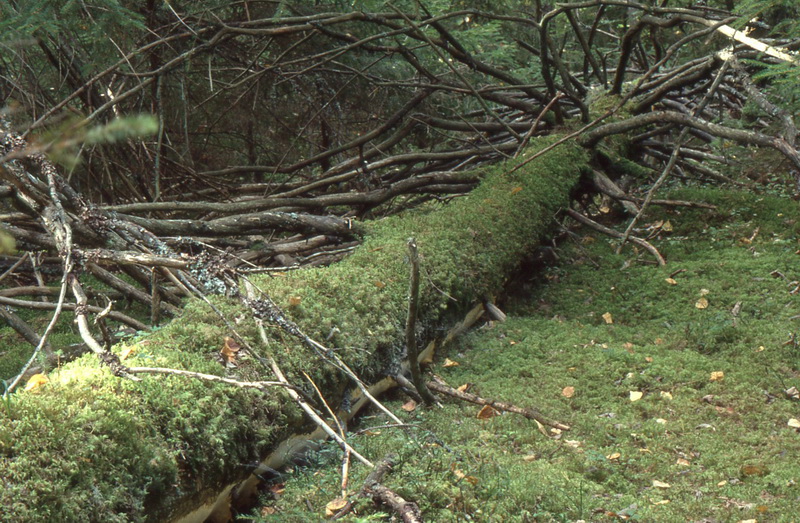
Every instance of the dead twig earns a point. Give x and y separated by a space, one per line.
532 414
375 477
411 324
611 232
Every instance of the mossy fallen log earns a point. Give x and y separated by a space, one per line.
87 446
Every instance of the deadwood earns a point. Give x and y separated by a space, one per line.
286 138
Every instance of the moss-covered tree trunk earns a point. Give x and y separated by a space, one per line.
91 447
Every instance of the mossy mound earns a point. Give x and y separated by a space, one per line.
709 439
91 447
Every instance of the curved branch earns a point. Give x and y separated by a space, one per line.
591 138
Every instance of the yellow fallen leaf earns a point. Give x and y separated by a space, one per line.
683 462
761 348
702 303
294 301
472 480
704 292
335 506
747 521
568 392
613 456
717 376
127 352
793 422
515 190
530 457
661 484
487 412
666 395
636 395
648 359
450 363
671 281
36 381
573 443
464 388
608 318
661 421
662 502
667 227
379 284
722 483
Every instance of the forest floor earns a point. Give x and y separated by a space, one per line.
676 382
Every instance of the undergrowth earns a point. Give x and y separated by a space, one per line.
709 342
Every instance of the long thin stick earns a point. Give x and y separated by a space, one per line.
411 325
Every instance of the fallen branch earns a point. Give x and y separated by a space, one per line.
439 386
407 510
614 234
411 325
375 477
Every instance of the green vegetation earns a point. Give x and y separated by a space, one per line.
89 446
717 448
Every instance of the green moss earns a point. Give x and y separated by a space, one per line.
92 447
467 249
722 446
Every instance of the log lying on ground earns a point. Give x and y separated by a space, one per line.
91 447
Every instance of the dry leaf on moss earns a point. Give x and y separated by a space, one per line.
661 484
608 318
127 352
636 395
36 381
472 480
230 350
335 506
671 281
568 392
702 303
793 422
488 412
409 406
450 363
717 376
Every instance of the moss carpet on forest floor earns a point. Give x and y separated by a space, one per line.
673 380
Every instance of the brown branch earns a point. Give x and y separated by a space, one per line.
47 306
407 510
591 138
532 414
611 232
411 324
